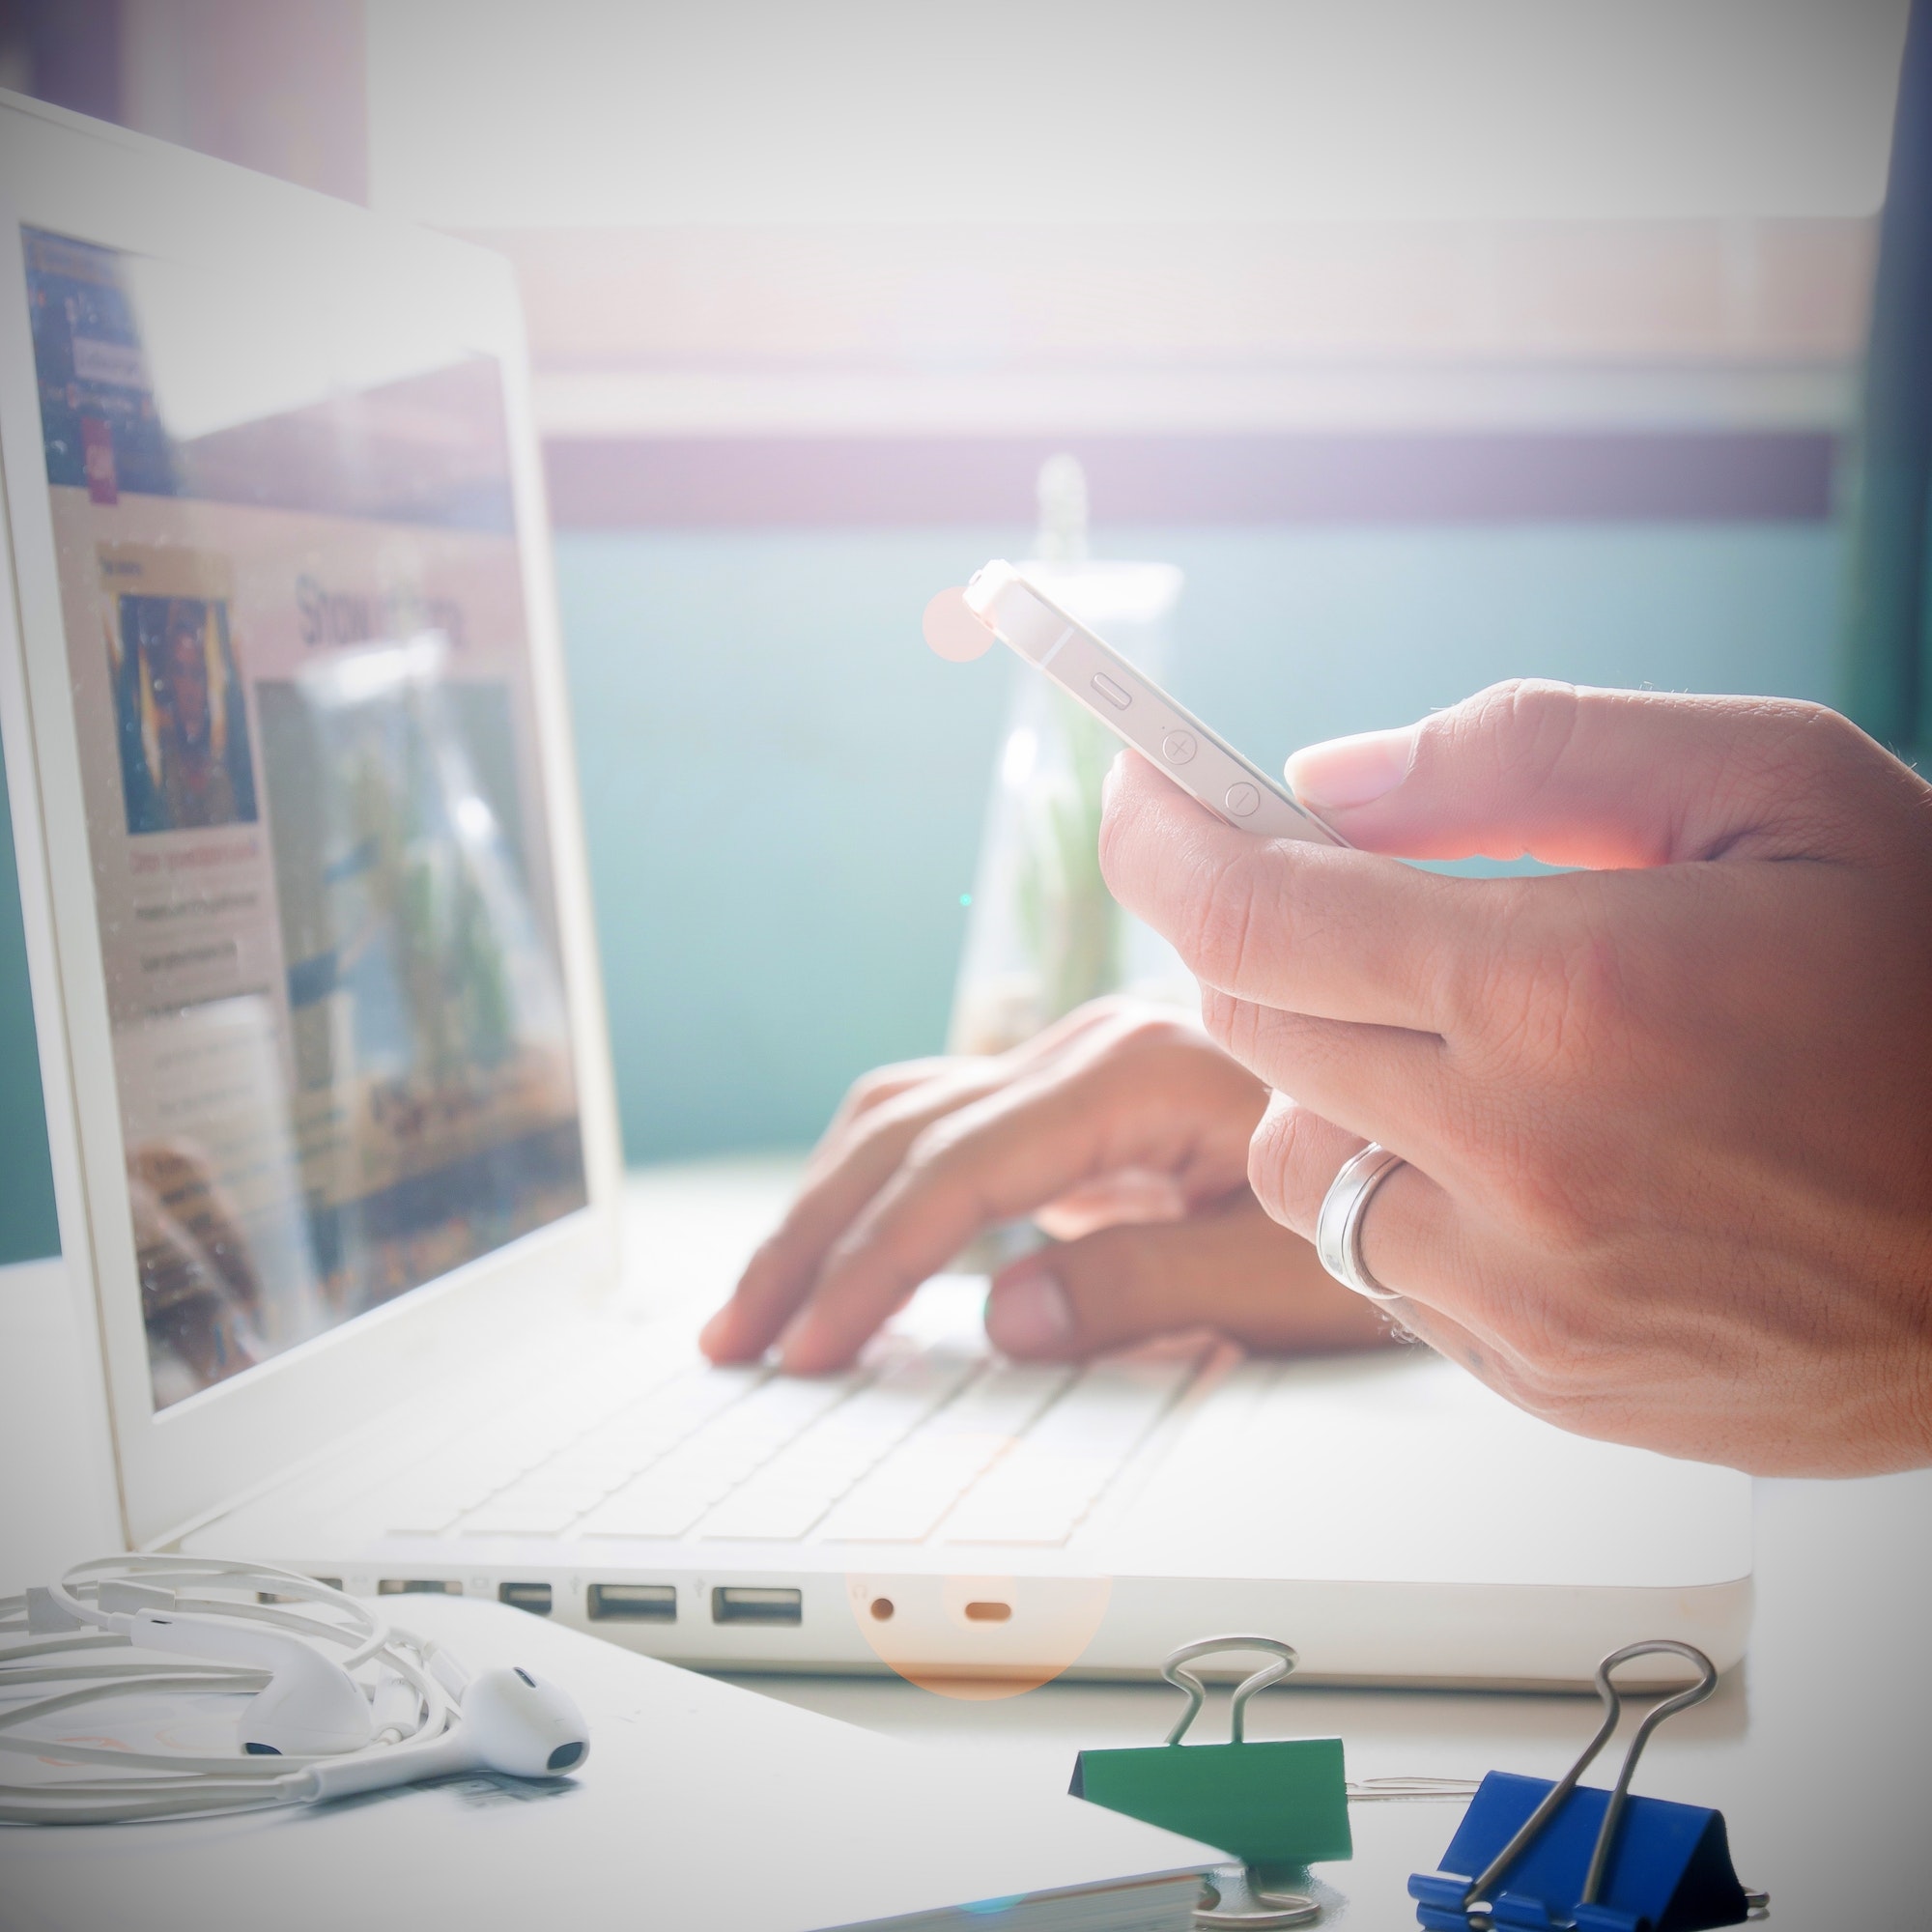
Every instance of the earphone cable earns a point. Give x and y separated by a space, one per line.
166 1785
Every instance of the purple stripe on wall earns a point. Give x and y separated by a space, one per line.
688 483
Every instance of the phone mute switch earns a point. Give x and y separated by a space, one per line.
1111 692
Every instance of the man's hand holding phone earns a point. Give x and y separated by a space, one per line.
1665 1118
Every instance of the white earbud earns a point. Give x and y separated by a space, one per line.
310 1731
310 1707
512 1722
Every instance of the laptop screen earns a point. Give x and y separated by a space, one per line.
295 621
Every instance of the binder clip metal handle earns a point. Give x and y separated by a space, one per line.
1234 1900
1175 1670
1607 1836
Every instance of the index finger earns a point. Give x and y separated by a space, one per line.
992 1161
1315 930
859 1153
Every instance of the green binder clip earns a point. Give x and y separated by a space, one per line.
1280 1804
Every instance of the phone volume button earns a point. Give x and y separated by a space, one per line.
1178 747
1241 800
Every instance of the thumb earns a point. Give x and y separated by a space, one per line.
1576 777
1228 1267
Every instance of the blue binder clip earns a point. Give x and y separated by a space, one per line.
1576 1859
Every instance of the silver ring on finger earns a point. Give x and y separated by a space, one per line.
1338 1227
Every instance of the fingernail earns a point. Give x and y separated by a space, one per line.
1028 1311
1347 772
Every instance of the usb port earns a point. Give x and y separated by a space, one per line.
417 1586
641 1603
269 1596
733 1604
532 1597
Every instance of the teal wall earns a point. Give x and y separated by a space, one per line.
783 788
27 1226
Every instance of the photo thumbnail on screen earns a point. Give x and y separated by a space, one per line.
179 707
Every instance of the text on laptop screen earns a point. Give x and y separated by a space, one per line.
294 623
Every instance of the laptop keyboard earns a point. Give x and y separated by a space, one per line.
924 1442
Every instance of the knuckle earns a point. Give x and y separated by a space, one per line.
1119 1025
1224 923
1556 1369
1521 729
1549 1346
946 1159
1235 1025
1217 1013
1523 1383
1286 1165
1145 1032
937 1146
881 1135
879 1085
1274 1138
877 1127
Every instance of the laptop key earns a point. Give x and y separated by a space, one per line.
904 1500
521 1517
438 1495
772 1517
536 1507
782 1497
1027 1524
424 1520
1043 1490
1007 1399
649 1513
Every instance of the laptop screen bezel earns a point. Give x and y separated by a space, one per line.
180 1465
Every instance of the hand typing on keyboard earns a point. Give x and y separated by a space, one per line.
1122 1131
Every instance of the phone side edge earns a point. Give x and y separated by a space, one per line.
1130 674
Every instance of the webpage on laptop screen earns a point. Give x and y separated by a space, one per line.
294 628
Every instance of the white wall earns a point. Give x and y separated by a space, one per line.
505 113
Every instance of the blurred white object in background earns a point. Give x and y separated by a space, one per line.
1045 934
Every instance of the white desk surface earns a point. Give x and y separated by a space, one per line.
1818 1750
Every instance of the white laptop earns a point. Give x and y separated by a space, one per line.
332 1113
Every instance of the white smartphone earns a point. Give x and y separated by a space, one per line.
1130 704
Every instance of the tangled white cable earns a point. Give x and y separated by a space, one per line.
392 1708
